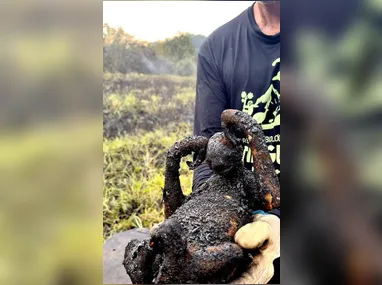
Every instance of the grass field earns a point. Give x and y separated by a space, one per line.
143 116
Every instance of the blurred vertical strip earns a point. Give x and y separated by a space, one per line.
51 142
331 150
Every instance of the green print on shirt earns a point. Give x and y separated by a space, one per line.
266 111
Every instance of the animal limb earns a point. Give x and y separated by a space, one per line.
214 260
172 192
242 126
207 262
138 261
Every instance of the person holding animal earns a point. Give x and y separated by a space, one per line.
239 68
196 242
236 165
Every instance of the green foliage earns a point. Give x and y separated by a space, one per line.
124 54
143 117
179 47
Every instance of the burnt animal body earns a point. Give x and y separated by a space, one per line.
195 243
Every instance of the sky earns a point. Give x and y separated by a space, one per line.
157 20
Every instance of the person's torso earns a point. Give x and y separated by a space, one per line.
250 69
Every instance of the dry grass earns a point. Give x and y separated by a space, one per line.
140 124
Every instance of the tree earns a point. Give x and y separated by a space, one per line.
179 47
123 53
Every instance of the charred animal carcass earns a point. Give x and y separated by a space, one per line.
195 243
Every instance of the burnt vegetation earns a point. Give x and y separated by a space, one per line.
148 103
143 116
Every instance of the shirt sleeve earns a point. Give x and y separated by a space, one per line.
211 101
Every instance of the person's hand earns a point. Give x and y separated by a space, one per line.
262 236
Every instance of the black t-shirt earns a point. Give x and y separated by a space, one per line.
239 68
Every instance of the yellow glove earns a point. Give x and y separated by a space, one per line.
262 234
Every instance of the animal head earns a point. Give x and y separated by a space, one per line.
223 155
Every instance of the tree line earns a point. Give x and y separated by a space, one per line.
124 54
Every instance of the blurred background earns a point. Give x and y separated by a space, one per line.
331 150
51 143
56 90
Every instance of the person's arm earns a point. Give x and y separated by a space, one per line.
211 100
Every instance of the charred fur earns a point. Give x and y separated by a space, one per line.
195 244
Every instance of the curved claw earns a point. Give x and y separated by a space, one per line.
200 154
244 126
192 165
